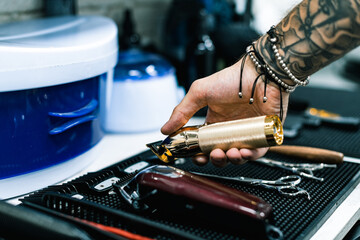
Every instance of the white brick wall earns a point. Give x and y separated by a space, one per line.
148 14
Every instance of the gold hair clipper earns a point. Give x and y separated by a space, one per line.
257 132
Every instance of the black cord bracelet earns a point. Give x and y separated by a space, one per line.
266 72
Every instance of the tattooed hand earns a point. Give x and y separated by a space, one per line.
314 34
220 93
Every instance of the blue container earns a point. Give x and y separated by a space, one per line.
49 97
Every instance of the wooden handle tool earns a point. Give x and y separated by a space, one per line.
312 154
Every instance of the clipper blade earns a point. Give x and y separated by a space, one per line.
159 149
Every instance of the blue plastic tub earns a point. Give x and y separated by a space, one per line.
46 126
49 97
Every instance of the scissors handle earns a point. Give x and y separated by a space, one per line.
290 180
293 191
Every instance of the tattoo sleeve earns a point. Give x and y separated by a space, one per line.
314 34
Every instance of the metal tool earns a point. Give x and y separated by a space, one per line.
284 185
321 115
302 169
263 131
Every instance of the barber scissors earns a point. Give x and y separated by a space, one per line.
284 185
302 169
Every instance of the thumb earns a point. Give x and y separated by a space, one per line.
191 103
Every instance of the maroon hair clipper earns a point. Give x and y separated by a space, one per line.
184 197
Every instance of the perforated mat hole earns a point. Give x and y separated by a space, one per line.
274 233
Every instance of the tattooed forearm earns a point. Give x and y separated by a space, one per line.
314 34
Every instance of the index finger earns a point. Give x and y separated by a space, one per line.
193 101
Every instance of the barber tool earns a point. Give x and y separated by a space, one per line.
284 185
94 229
182 183
302 169
189 197
254 132
320 115
314 117
312 154
63 205
19 222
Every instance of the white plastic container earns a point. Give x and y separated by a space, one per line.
49 98
141 95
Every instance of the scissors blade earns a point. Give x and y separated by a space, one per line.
217 176
309 166
278 164
284 185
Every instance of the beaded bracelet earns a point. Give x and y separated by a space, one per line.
273 39
287 87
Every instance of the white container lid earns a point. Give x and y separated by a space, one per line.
51 51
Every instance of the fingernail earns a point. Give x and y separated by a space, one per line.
243 161
235 160
218 161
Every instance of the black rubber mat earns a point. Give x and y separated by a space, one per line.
297 217
329 136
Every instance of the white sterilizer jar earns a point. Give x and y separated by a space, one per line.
141 95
